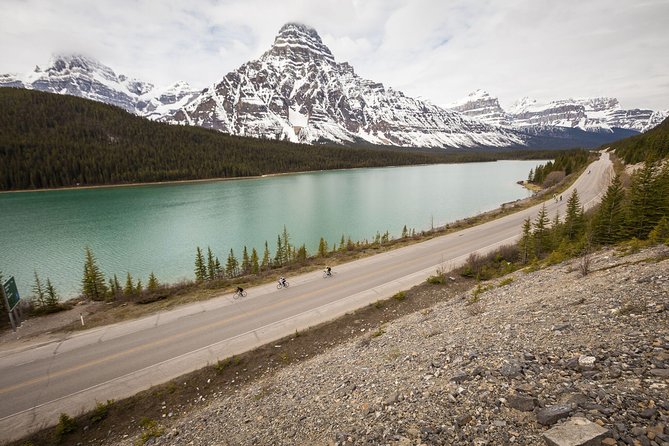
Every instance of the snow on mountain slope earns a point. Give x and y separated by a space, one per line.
601 114
480 105
298 75
86 77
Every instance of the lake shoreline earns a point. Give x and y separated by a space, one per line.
209 180
220 179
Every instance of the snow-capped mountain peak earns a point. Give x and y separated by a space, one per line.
84 76
299 43
296 91
597 114
480 105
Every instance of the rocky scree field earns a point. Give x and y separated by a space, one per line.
508 365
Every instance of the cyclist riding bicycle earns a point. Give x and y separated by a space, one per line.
328 271
282 281
240 290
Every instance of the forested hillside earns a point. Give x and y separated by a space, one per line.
653 143
49 140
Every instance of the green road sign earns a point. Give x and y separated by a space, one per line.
11 292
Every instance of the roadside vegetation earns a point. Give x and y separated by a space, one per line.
629 218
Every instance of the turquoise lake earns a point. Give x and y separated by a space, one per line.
158 227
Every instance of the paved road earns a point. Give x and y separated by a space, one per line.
39 383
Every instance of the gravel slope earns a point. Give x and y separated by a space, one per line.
548 345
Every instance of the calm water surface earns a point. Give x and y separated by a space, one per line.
157 228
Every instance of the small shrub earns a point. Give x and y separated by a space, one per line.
221 366
584 263
151 430
380 331
631 247
473 266
476 294
66 425
101 411
400 296
505 282
284 357
378 305
436 280
555 257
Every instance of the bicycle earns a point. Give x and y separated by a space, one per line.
239 294
283 284
327 274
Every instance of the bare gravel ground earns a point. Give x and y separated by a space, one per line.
533 351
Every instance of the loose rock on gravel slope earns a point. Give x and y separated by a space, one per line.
547 347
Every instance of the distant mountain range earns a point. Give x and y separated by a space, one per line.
297 92
598 115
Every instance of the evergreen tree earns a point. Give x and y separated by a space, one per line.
129 289
255 267
264 265
556 230
526 247
405 232
153 284
39 294
52 299
211 264
219 268
288 248
246 262
232 265
608 222
660 234
112 291
342 243
574 222
541 235
322 248
280 254
139 288
200 268
644 209
301 255
116 286
93 283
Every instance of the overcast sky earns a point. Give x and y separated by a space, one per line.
439 50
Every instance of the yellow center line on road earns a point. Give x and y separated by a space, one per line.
181 335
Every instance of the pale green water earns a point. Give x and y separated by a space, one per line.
157 228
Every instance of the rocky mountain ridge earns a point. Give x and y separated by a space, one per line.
600 115
83 76
297 91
